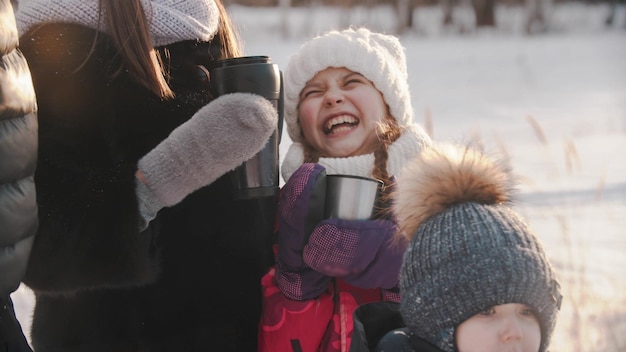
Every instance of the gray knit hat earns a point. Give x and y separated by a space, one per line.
468 249
378 57
170 20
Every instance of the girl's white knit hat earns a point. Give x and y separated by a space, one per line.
378 57
170 20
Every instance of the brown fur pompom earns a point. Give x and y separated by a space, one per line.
443 176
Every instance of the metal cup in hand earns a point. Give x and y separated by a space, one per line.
351 197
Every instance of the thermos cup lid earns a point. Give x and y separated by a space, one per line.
243 61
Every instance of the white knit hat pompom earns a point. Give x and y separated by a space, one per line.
170 20
378 57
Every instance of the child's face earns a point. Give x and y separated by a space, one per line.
339 112
503 328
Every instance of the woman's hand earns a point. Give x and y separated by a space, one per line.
219 137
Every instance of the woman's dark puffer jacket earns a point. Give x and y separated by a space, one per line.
18 156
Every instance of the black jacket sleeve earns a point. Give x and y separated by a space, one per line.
378 326
18 154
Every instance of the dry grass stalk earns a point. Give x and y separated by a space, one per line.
571 157
428 123
538 130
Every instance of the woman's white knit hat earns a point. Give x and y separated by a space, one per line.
170 20
378 57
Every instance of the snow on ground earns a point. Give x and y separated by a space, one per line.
554 102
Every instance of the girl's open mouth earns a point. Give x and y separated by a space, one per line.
340 123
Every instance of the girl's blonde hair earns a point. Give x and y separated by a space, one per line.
130 31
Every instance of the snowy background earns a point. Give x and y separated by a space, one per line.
554 102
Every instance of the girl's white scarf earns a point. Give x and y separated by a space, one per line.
410 143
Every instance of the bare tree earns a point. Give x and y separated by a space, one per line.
536 16
404 12
346 9
450 21
610 18
485 14
284 6
447 6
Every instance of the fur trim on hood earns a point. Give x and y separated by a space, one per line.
446 175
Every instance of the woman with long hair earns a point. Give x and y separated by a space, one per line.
142 245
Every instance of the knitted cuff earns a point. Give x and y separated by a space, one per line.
148 202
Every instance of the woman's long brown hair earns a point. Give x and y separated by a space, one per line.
130 30
226 34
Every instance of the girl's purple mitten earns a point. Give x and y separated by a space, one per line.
361 252
300 209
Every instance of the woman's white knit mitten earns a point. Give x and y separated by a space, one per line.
218 138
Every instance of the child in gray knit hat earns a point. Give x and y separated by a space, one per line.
474 276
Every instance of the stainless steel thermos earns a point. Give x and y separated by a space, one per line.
259 176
